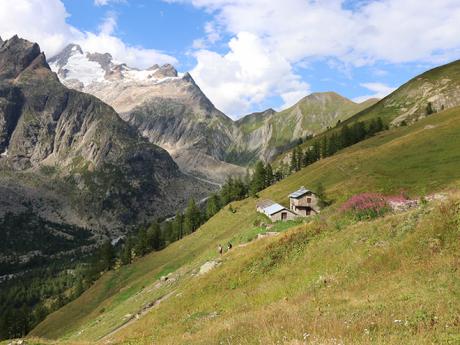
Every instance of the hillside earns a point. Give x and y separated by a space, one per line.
430 92
392 280
269 133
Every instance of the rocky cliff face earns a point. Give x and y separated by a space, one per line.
69 157
168 109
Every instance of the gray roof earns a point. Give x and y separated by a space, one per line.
264 203
299 193
275 208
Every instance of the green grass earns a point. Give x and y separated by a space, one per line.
252 233
349 285
330 278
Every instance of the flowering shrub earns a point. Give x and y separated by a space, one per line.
366 206
372 205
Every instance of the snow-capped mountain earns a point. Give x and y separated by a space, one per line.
82 69
168 108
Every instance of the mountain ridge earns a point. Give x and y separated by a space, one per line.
175 114
168 109
69 158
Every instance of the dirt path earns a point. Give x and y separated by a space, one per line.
147 308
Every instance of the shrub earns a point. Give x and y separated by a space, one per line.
366 206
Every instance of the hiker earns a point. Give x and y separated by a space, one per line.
229 246
220 249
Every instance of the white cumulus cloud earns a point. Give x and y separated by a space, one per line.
246 75
53 33
297 32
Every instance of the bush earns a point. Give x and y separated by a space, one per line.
366 206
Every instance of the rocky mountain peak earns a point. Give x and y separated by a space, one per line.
188 77
105 60
63 57
45 124
153 68
16 55
165 71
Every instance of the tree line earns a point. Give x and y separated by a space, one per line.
328 145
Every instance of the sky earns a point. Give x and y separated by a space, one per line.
250 55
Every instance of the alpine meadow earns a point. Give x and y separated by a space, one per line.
229 172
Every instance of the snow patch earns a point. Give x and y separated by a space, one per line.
145 76
84 70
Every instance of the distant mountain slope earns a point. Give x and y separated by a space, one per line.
393 268
69 158
270 133
428 93
169 110
172 111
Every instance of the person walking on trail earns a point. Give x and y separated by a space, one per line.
229 246
220 249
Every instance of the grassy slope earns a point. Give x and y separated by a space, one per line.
415 94
349 283
440 85
248 298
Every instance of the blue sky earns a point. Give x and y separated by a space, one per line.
251 55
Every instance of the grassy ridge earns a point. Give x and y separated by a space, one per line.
252 285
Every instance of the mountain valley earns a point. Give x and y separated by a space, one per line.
130 210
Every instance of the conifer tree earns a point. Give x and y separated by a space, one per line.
126 252
324 148
293 165
269 177
316 151
192 217
142 245
106 255
359 132
429 108
380 127
154 238
178 225
212 205
258 179
321 194
345 136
